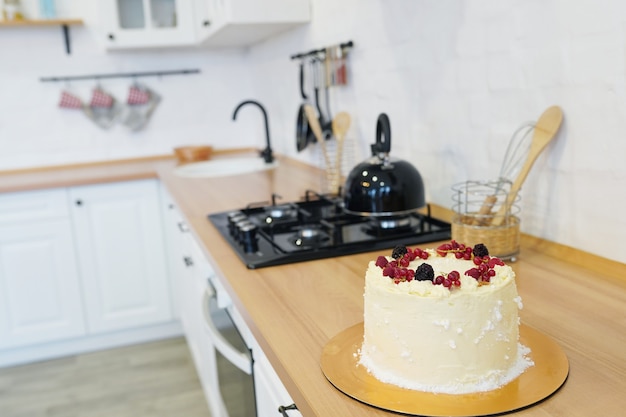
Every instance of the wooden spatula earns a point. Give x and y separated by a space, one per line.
545 130
314 123
341 124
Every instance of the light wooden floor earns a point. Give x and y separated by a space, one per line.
148 380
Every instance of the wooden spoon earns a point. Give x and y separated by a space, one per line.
545 130
341 124
314 123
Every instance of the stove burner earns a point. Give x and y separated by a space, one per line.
393 226
309 236
308 233
276 213
393 222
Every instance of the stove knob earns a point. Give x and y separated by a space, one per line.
239 226
233 219
249 238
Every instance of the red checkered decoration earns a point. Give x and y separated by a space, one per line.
70 101
100 98
137 95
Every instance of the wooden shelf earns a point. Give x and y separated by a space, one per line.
41 22
64 23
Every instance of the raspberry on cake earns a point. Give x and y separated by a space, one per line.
442 320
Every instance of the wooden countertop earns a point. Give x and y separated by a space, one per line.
293 310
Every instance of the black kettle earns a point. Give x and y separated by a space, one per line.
383 186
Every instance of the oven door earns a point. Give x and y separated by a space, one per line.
234 359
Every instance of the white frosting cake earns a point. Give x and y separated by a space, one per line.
458 338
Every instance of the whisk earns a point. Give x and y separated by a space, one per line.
514 157
544 131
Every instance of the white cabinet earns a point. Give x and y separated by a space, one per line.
189 273
204 320
190 286
81 269
270 392
146 23
40 300
168 23
246 22
177 254
121 254
196 300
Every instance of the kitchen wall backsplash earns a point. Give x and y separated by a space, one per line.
193 109
456 77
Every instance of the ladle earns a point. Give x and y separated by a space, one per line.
545 130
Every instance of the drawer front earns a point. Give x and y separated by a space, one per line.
33 206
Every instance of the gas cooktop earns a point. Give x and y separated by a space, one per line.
269 234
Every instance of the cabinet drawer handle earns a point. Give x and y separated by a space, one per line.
284 408
79 202
182 226
188 260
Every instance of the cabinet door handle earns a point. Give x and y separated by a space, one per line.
111 37
206 23
284 408
182 226
79 203
188 260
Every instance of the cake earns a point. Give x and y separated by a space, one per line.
442 320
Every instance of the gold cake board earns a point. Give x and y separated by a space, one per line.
339 364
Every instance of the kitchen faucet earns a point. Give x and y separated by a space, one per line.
267 152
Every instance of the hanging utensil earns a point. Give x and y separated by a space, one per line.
341 124
319 84
327 123
545 130
317 131
303 130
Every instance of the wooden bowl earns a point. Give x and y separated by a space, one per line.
187 154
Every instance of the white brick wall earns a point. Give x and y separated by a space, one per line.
456 77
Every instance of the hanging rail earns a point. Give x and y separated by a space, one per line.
120 75
313 52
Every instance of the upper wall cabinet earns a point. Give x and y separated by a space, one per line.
168 23
147 23
245 22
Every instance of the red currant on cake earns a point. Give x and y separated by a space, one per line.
484 270
381 261
449 280
420 253
459 250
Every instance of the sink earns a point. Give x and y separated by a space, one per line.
224 167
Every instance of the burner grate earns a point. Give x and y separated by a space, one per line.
316 228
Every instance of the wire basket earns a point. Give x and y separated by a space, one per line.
476 206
